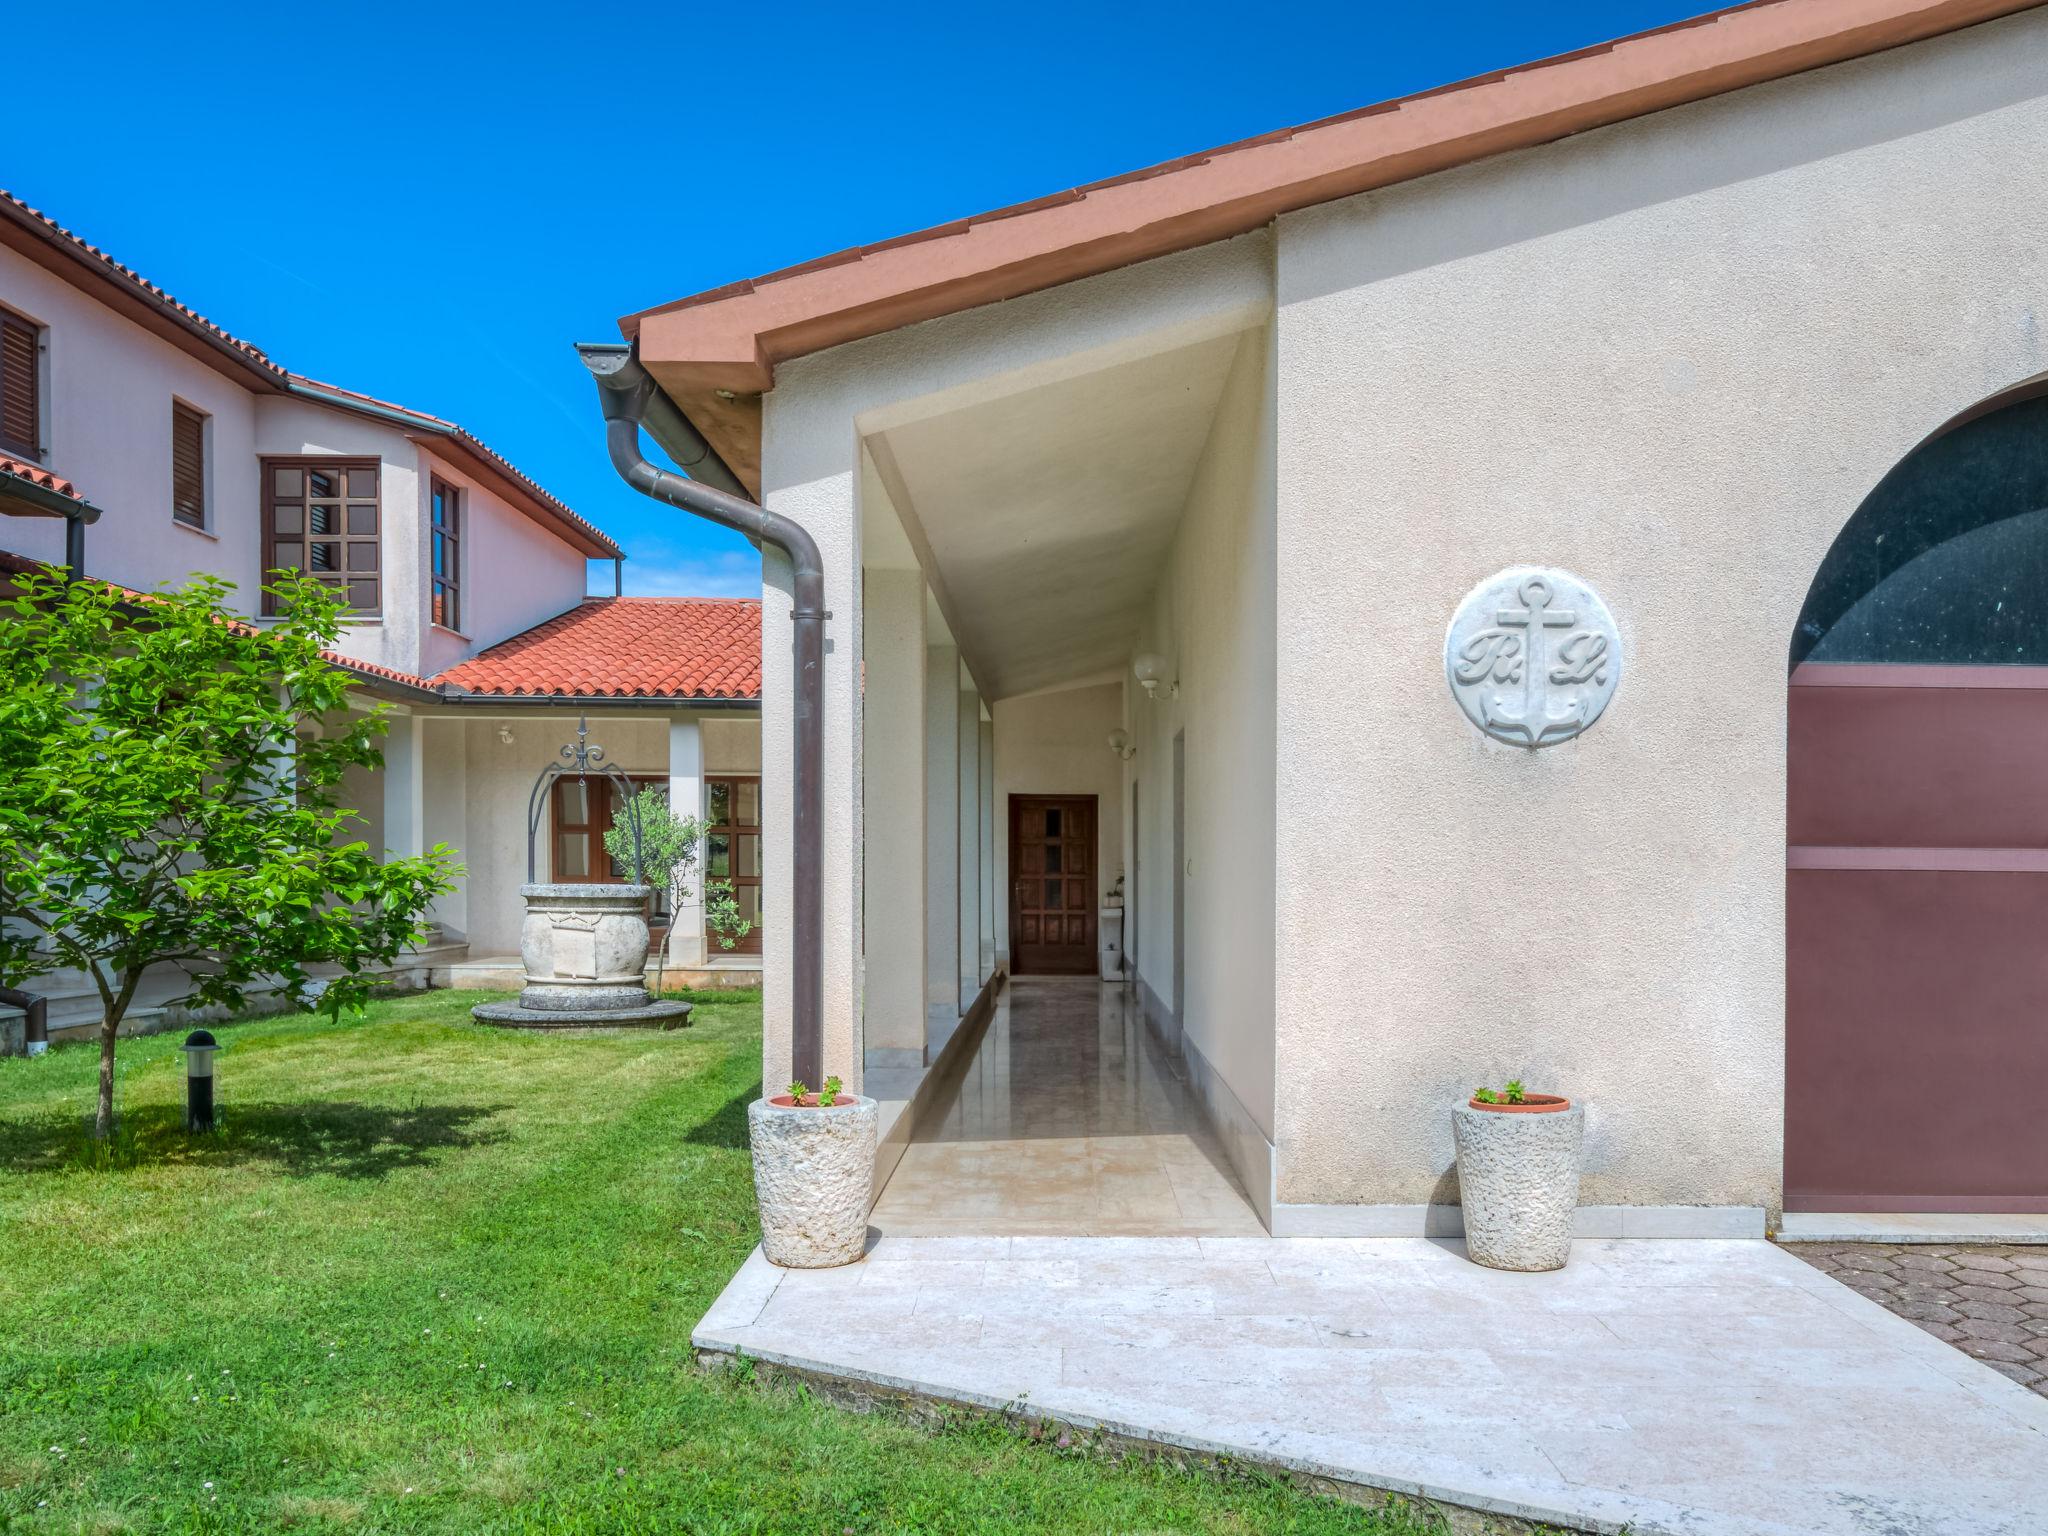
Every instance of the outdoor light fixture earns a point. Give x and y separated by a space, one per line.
505 734
1150 668
1120 744
199 1047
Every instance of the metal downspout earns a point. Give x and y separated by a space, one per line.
625 390
74 548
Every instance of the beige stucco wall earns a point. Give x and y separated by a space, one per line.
1213 620
1058 744
1672 355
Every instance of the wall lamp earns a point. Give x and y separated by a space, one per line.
1150 668
1120 744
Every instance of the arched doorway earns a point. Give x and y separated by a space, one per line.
1917 819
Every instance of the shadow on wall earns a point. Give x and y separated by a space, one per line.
345 1140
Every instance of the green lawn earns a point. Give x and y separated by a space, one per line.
434 1277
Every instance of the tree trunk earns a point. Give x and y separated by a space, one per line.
103 1124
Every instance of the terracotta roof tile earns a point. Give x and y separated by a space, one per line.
626 647
36 475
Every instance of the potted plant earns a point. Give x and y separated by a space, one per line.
1518 1176
814 1169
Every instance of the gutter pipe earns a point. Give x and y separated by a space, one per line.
627 393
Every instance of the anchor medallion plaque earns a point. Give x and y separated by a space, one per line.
1532 656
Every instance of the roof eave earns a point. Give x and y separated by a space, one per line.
715 353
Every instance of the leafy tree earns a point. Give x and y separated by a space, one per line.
669 842
167 797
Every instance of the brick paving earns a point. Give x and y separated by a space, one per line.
1990 1301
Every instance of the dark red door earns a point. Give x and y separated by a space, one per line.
1052 885
1916 945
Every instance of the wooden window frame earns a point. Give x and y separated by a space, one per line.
730 830
602 792
444 534
13 323
343 576
189 417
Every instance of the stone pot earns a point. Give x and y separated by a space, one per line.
814 1171
584 946
1518 1180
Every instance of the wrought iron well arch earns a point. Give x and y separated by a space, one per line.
582 758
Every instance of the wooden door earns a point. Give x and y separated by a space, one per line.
585 809
1052 885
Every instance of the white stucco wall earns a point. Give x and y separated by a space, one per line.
1672 355
1058 744
109 385
893 787
1213 621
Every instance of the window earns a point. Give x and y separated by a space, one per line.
21 387
188 465
586 809
732 847
320 516
447 554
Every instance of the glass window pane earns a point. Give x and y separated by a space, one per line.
1052 858
747 803
362 517
1052 823
1052 894
362 595
362 482
746 854
362 555
325 557
289 517
286 482
718 855
748 897
572 856
572 804
290 554
323 482
718 803
440 605
440 555
325 518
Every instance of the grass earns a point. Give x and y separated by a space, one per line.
431 1277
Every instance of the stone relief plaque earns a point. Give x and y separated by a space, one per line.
1532 656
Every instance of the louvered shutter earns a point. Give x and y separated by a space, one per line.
21 416
188 465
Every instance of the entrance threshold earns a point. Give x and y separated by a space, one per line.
1910 1227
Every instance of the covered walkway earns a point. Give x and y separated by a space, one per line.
1070 1119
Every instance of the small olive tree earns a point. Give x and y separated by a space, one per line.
168 798
668 858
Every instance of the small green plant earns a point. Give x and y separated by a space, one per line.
1513 1093
829 1094
1485 1096
800 1090
722 914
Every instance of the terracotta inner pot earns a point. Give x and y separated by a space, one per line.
784 1101
1532 1104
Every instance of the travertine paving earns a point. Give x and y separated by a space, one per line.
1694 1387
1990 1301
1070 1118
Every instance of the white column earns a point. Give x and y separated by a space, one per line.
988 848
444 807
686 798
893 818
969 736
942 839
809 476
404 784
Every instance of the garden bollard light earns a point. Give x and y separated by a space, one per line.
199 1047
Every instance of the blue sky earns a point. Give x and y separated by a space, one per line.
431 202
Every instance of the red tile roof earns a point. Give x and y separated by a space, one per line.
36 475
625 647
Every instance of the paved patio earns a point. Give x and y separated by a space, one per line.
1692 1387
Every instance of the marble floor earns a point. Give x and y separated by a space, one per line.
1668 1388
1069 1119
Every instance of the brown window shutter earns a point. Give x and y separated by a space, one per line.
20 409
188 465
